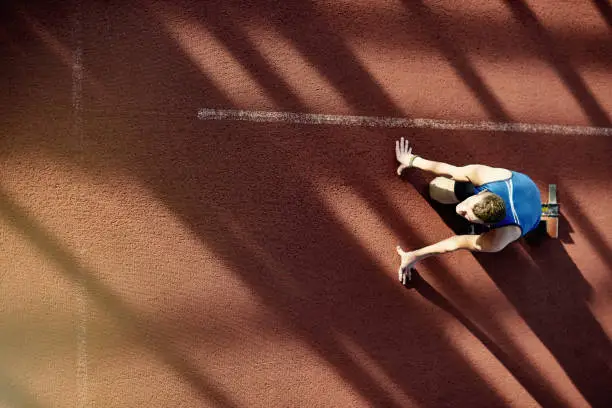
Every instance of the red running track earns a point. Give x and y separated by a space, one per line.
154 259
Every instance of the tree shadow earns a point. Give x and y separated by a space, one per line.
461 64
33 76
124 50
198 168
319 43
553 301
313 38
559 61
320 268
111 302
237 42
605 9
481 34
16 395
456 58
512 358
101 294
194 168
531 381
549 292
590 231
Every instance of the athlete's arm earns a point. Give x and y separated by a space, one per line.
451 244
491 241
409 259
403 153
477 174
438 168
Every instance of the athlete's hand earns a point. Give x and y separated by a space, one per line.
408 260
404 155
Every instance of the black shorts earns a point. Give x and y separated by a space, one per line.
463 190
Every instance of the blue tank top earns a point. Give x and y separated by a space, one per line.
522 199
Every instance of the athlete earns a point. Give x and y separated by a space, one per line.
506 203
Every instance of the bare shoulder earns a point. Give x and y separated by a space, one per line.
480 174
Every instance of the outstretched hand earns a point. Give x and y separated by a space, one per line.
408 260
403 154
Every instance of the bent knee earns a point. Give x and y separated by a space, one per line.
442 189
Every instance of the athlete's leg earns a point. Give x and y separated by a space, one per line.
442 190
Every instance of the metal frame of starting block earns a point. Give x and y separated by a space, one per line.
550 212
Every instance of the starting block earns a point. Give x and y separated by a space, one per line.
550 212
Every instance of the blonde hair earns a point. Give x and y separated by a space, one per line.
491 209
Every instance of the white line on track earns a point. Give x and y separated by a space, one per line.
391 122
77 76
82 358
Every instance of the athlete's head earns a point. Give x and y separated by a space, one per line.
482 208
